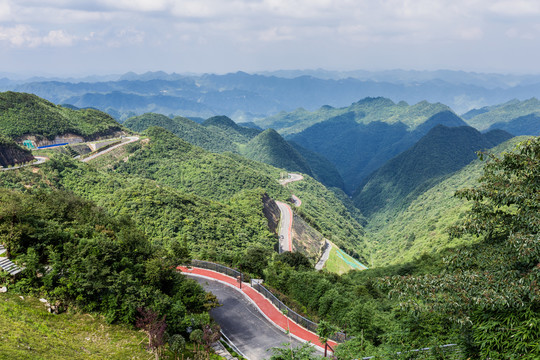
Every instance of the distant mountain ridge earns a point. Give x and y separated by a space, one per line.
516 117
245 97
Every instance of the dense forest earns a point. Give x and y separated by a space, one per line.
26 114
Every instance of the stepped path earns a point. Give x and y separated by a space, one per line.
286 217
8 265
263 305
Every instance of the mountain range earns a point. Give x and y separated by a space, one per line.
245 97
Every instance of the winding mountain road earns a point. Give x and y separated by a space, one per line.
324 256
291 178
39 160
130 140
286 220
286 216
42 159
285 227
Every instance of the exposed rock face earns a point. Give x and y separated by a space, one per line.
11 154
306 239
72 138
271 212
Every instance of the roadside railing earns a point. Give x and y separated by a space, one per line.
218 267
287 311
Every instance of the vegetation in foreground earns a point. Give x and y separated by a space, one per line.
29 331
81 258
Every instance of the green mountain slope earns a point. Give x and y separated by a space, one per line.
441 152
174 163
523 125
230 129
323 170
220 134
357 149
270 148
399 236
180 165
24 114
192 132
503 113
323 210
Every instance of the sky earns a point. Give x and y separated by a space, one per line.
84 37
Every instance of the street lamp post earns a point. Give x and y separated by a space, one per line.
239 278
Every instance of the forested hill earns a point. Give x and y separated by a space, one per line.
399 235
358 149
230 129
192 132
270 148
23 115
517 117
440 152
221 134
523 125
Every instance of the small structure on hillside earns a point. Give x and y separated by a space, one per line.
29 144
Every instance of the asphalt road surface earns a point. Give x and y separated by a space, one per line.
243 324
39 160
285 227
325 255
291 177
130 140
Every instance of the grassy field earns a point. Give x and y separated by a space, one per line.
339 262
30 332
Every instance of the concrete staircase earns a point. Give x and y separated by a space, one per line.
8 265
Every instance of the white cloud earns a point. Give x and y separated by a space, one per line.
26 36
471 33
124 37
58 38
516 8
5 10
20 35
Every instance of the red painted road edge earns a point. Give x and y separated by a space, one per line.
264 305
